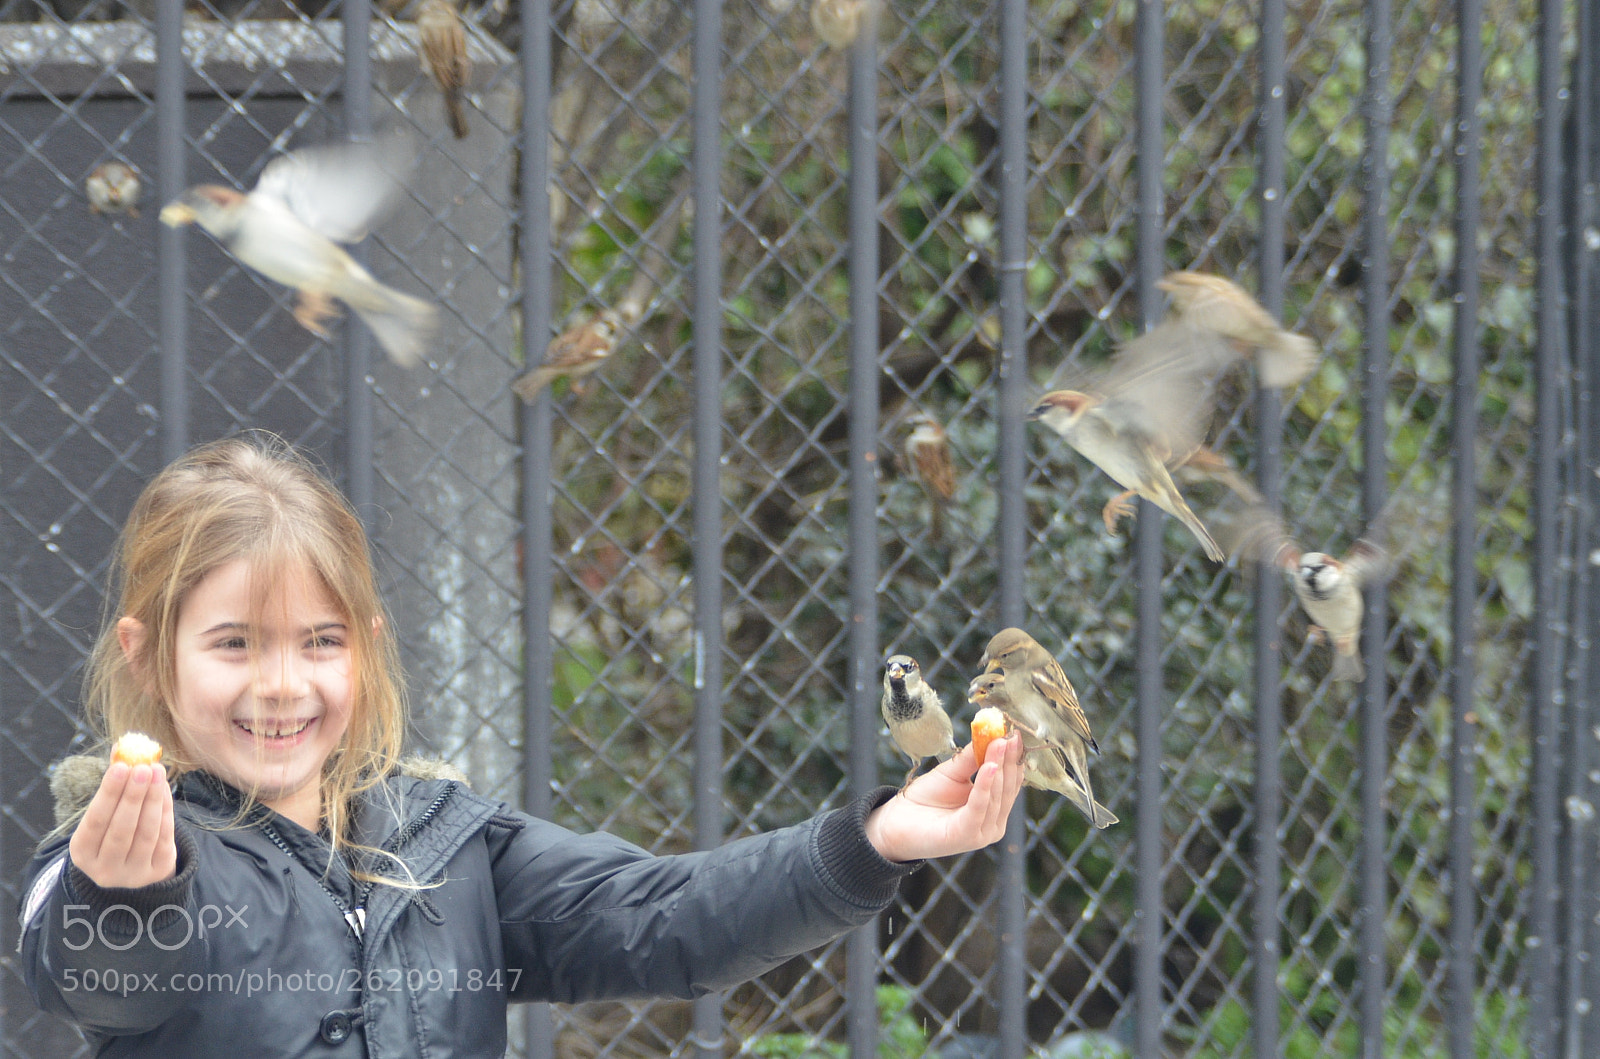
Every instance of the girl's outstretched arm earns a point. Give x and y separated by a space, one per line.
946 811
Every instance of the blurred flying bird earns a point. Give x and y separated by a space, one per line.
113 187
915 715
838 22
288 227
1045 707
1329 589
1043 767
574 353
444 56
1220 305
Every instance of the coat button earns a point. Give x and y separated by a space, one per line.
336 1027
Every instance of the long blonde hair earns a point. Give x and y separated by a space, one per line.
252 498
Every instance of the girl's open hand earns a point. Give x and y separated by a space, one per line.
125 838
946 811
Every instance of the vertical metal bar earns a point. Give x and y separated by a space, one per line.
1011 893
861 949
1149 914
1378 108
1544 1016
170 261
534 424
1461 1004
1586 674
1269 586
357 22
1584 1037
707 471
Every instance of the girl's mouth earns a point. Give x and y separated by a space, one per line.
284 731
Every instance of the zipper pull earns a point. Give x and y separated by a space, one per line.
357 918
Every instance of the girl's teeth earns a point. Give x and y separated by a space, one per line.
277 733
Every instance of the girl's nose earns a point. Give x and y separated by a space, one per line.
283 675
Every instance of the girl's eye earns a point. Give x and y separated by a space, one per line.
326 642
232 643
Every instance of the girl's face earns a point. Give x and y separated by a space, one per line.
262 700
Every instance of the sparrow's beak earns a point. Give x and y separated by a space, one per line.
177 214
897 673
1036 411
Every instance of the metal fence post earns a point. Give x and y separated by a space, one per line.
171 135
358 416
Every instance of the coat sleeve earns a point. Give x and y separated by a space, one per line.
590 917
99 956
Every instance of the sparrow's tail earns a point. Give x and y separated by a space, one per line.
529 385
458 116
403 325
1167 498
1347 664
1285 359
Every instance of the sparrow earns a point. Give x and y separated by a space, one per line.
928 458
1045 707
574 353
1222 306
838 22
1329 589
288 228
1043 767
444 56
113 187
915 715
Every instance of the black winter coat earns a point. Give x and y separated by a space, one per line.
262 947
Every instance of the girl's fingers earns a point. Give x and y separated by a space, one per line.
90 834
117 846
166 858
145 847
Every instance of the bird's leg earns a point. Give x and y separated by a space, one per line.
1118 508
911 773
312 308
1316 634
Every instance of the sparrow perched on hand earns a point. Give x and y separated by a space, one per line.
1222 306
289 226
928 459
1044 706
915 715
1043 767
838 22
444 56
574 353
113 187
1329 589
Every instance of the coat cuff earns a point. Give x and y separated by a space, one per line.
854 869
169 895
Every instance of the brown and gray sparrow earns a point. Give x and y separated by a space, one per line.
915 714
1043 767
444 56
1329 589
113 187
928 459
288 229
574 353
1222 306
1045 707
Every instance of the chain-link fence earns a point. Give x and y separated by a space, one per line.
701 553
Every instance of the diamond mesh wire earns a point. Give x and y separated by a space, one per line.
79 432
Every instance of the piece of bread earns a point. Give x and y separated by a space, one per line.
988 724
136 748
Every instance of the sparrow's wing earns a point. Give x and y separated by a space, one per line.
1368 564
932 459
1161 385
1259 535
339 190
1051 682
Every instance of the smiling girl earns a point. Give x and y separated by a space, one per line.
285 885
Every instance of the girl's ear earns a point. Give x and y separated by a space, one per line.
131 634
